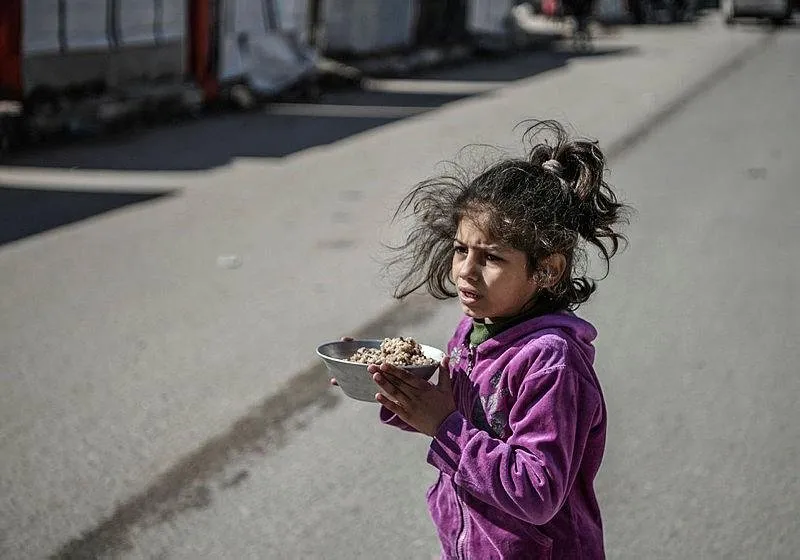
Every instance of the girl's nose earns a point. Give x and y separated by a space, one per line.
469 266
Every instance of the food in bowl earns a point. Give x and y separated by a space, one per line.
398 351
352 376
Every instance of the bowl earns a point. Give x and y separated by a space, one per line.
353 378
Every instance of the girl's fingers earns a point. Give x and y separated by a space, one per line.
402 376
393 389
390 405
384 370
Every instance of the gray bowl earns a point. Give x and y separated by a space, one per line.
353 378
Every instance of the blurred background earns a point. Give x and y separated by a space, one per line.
195 194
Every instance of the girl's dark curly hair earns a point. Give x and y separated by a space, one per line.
539 206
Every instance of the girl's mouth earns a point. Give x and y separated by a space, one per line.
468 296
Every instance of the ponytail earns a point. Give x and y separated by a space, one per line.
593 211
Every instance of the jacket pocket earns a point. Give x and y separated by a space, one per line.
445 513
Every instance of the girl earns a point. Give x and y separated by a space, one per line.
517 417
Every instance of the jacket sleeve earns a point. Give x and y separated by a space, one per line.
530 474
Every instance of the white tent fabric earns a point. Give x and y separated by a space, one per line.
293 18
367 26
137 22
86 24
260 48
73 43
611 10
40 28
151 21
489 16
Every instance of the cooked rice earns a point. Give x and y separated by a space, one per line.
398 351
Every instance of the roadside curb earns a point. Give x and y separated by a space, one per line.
402 64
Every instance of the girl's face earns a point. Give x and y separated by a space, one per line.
493 280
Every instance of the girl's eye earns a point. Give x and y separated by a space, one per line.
491 257
460 249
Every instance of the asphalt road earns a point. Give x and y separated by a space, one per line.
160 394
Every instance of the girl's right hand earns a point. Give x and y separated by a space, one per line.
343 339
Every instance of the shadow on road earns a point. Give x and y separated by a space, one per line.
28 211
524 65
272 131
281 129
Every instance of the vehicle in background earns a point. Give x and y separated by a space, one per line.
779 11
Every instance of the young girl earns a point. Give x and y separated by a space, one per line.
518 426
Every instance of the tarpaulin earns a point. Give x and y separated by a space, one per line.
258 45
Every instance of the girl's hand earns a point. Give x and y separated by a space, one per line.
343 339
417 402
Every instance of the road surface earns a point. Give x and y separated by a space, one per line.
162 295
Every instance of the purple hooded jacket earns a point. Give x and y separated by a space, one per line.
518 458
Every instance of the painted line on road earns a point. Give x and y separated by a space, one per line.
345 111
93 179
453 87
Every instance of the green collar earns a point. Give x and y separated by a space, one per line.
481 331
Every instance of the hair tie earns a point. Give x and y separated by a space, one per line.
554 167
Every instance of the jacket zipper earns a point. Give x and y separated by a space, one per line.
462 534
461 538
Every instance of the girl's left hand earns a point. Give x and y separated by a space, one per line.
419 403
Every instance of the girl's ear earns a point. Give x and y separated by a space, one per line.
551 269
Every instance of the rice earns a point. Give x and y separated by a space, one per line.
398 351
